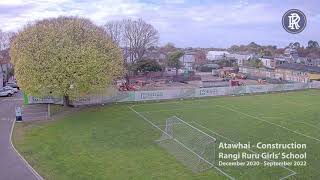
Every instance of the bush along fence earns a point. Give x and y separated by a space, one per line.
131 96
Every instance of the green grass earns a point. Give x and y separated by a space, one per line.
113 142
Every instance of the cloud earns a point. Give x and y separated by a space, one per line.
184 22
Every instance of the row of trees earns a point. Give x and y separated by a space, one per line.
5 41
254 48
311 44
312 49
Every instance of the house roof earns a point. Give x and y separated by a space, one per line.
240 56
266 57
300 67
280 59
217 53
211 55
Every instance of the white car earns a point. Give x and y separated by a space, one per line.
4 92
15 90
12 84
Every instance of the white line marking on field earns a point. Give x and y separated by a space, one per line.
293 101
248 115
163 125
147 120
175 109
302 122
34 172
292 172
32 113
153 102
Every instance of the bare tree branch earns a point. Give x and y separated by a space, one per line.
135 36
5 39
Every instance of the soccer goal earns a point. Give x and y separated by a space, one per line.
191 146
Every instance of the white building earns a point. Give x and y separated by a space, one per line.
188 61
216 55
267 62
241 58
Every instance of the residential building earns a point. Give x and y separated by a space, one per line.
294 71
252 72
279 60
268 62
311 62
289 72
240 58
188 60
291 54
157 56
216 55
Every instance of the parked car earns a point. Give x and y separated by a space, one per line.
15 90
12 84
4 92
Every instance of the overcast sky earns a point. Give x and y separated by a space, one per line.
201 23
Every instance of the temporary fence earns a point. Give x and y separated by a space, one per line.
130 96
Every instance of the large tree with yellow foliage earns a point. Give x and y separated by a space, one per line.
65 56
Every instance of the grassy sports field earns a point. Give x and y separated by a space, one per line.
117 142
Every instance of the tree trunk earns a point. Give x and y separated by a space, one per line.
66 101
127 80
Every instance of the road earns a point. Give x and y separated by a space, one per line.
12 166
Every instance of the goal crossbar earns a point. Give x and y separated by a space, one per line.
214 139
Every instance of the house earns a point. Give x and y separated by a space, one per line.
291 55
240 58
296 72
287 72
188 60
279 60
156 55
216 55
268 62
311 62
256 73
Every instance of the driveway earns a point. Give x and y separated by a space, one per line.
12 164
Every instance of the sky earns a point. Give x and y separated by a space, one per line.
186 23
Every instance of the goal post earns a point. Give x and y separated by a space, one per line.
191 146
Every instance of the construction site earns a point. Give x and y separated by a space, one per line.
224 77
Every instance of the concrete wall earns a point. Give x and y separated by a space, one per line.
284 74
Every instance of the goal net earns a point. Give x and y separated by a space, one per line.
191 146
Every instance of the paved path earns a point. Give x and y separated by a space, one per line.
12 166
